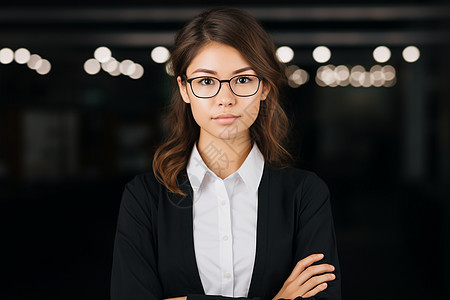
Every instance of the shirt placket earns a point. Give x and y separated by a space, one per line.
225 238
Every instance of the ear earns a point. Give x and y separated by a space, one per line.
265 92
182 85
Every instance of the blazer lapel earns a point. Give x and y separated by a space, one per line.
188 240
261 236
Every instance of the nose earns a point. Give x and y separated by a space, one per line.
225 95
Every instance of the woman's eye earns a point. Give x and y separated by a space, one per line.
207 81
243 79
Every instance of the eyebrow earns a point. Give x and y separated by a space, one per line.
215 73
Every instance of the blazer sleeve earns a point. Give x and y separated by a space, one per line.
315 231
134 274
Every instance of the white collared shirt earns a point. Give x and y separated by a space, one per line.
224 223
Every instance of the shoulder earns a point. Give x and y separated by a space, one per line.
146 180
298 181
144 188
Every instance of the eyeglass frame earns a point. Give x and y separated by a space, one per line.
189 80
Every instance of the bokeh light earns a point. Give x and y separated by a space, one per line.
169 69
160 54
6 56
22 55
44 67
300 76
381 54
377 77
321 54
102 54
92 66
138 72
296 76
342 73
34 62
111 65
357 76
411 54
389 72
285 54
127 67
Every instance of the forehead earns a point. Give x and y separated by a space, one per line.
218 57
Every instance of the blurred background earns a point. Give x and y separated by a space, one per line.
83 88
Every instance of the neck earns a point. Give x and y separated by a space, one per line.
224 156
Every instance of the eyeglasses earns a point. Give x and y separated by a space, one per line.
240 85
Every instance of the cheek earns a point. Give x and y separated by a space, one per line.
252 110
200 111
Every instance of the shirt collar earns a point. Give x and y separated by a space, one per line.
250 171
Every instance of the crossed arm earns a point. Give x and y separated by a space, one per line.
305 280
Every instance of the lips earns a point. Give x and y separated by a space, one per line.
225 119
224 116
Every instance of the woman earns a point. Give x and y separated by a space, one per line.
222 215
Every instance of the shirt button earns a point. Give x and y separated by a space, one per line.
227 275
223 202
225 237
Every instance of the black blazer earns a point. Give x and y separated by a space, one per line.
154 254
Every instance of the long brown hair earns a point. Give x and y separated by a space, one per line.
236 28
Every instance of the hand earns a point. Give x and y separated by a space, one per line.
177 298
305 280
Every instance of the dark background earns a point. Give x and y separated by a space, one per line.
70 141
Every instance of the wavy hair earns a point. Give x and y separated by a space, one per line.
238 29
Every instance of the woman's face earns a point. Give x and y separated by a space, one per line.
223 62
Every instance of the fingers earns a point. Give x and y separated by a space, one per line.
313 279
318 283
315 290
313 271
303 264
